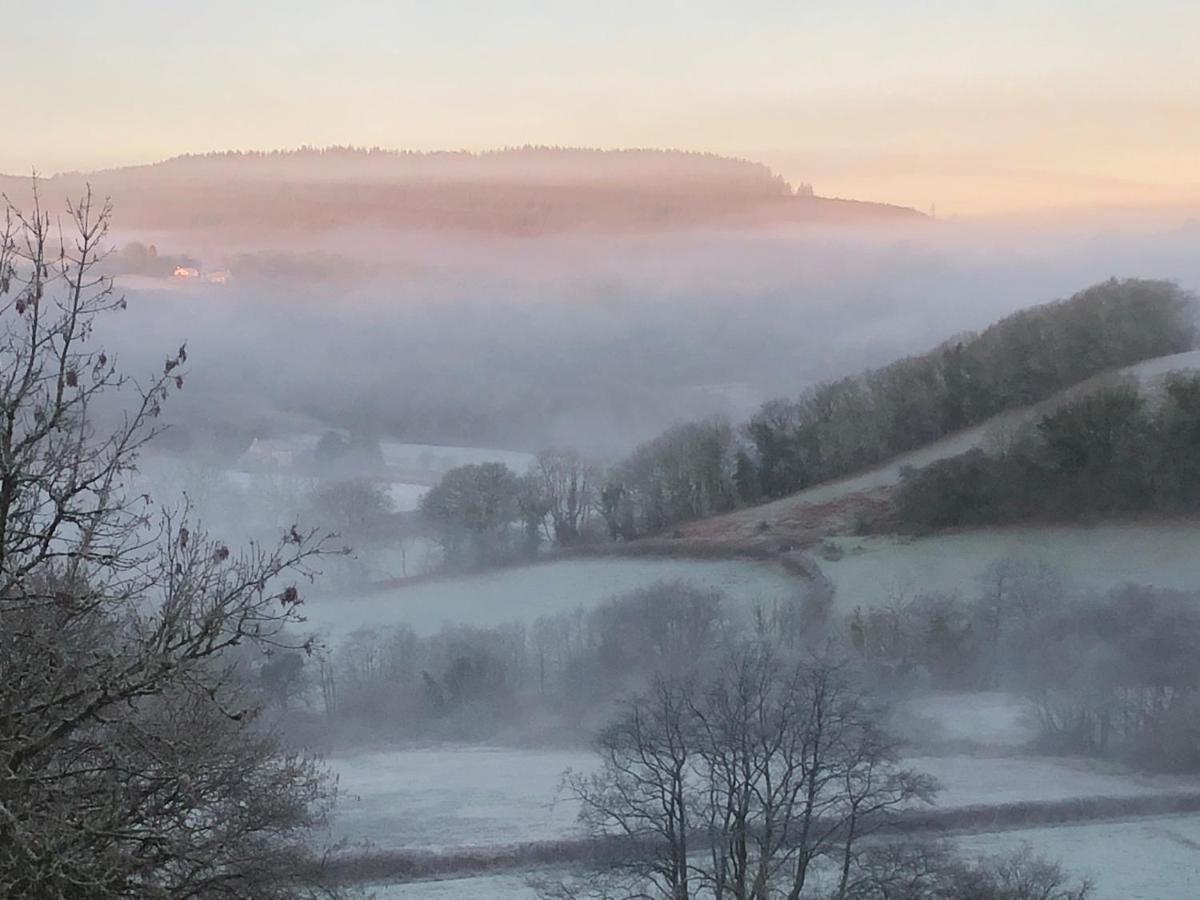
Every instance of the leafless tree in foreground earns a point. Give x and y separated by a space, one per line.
766 778
738 784
131 760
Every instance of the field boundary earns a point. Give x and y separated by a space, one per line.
359 865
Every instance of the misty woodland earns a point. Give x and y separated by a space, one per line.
608 451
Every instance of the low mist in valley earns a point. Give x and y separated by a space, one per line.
595 341
564 523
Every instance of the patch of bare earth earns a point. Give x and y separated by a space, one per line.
793 520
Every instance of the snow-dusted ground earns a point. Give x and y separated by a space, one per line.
478 796
1141 859
1091 558
455 796
524 594
979 781
476 887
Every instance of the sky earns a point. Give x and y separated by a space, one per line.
977 109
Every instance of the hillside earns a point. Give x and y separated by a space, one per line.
518 191
835 506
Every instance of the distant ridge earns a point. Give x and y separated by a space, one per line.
522 190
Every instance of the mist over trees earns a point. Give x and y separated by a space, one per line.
763 774
1107 451
134 761
1111 676
471 510
144 663
558 672
701 468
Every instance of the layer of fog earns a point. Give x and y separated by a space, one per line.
591 341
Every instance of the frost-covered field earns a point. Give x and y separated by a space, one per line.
455 796
477 796
477 887
1142 859
1096 558
523 594
983 781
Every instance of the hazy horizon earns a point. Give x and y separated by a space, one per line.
973 111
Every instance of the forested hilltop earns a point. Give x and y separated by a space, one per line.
528 190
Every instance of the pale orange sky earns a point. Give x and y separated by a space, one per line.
977 108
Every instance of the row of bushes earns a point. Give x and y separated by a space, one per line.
559 672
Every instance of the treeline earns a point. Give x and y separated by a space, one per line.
1111 676
1114 450
841 426
558 674
645 167
485 514
697 469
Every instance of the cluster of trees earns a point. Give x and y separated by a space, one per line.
701 468
1110 676
378 541
956 643
1124 680
840 426
465 681
134 761
761 773
741 779
1112 450
685 473
485 514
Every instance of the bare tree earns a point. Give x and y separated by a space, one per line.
798 769
769 765
567 482
132 759
643 795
